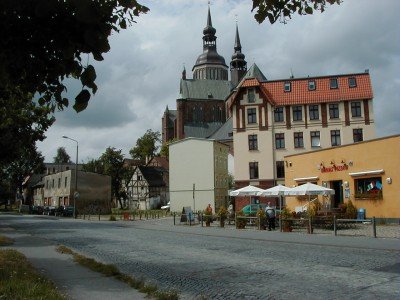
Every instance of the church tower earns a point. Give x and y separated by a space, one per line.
238 64
210 65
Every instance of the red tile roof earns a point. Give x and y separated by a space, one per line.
299 94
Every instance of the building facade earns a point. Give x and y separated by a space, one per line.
367 173
58 190
198 174
273 119
148 185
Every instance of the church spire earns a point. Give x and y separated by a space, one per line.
238 46
209 64
238 63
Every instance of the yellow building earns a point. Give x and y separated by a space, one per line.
367 173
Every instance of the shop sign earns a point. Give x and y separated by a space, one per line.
334 168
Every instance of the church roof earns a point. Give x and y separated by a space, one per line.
205 89
255 72
224 132
201 130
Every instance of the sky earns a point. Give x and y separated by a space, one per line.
140 75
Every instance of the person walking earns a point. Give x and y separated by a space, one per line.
270 214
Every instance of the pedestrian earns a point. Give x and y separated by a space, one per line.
270 214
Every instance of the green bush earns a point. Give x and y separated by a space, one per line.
112 218
351 211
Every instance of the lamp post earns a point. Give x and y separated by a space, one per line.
76 173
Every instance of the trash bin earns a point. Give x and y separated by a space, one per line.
361 214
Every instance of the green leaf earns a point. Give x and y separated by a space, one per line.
88 76
81 101
123 24
309 10
97 56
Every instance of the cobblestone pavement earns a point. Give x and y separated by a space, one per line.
218 263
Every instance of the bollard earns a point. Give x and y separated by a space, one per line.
201 219
99 217
334 225
374 227
259 222
190 220
310 228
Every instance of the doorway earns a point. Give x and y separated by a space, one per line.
337 199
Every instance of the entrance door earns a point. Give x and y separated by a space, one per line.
338 197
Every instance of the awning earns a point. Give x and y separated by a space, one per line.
364 173
314 178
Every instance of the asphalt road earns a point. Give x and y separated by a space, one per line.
218 263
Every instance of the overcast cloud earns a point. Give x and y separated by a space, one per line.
140 75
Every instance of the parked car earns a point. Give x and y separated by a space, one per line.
49 210
166 207
68 211
36 210
253 208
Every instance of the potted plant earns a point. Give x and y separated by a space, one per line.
261 221
222 214
286 223
208 215
240 222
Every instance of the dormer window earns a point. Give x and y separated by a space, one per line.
251 96
287 87
352 82
311 85
333 83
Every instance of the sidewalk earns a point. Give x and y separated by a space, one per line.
73 280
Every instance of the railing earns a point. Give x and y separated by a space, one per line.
355 224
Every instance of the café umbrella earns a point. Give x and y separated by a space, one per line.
249 190
279 191
310 189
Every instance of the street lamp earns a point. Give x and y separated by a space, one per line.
76 172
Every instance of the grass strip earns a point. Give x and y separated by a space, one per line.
20 280
112 271
5 241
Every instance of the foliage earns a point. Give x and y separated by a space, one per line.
94 166
112 218
222 213
261 218
43 43
282 10
351 211
164 151
231 181
20 280
5 241
22 123
62 156
240 222
14 173
146 146
285 215
113 165
313 208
